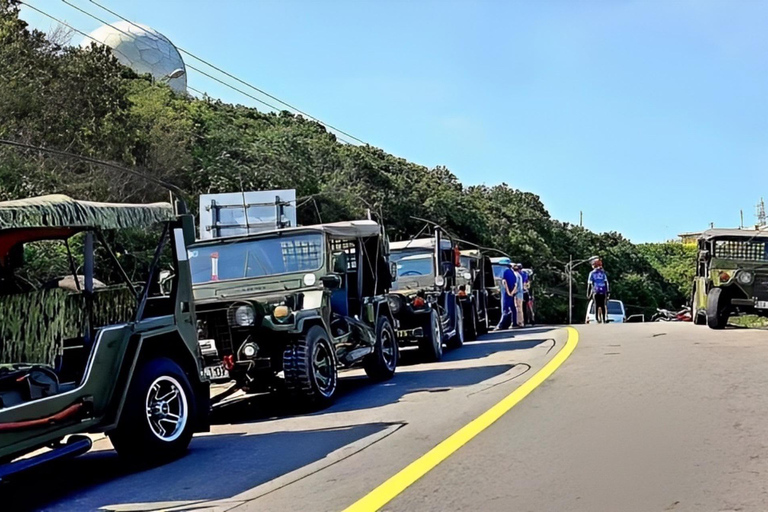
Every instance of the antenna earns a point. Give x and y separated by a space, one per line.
762 218
741 224
245 206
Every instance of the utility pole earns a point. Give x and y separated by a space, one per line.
741 224
581 219
570 289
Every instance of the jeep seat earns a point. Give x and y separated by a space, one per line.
339 303
35 324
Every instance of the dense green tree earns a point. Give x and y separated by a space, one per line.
84 101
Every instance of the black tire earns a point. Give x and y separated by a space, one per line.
382 363
158 391
717 309
431 345
457 340
309 367
482 326
471 327
696 315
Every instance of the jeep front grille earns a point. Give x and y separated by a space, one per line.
216 326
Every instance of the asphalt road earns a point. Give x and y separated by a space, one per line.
640 417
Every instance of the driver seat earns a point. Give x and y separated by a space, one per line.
339 299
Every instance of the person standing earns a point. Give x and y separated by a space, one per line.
508 291
519 295
598 289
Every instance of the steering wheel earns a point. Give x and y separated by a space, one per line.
411 273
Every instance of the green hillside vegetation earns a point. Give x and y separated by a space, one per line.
84 102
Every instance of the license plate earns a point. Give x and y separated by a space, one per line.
761 304
216 372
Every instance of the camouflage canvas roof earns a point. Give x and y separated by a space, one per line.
63 211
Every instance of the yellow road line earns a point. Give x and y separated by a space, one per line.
387 491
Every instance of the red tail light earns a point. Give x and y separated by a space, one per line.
725 277
229 362
418 302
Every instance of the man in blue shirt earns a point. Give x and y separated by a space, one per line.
508 287
598 288
520 294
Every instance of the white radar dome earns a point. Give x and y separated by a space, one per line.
144 50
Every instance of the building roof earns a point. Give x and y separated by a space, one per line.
64 212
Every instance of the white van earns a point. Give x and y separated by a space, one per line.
616 312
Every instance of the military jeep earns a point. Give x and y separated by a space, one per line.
475 283
80 355
731 276
299 301
425 297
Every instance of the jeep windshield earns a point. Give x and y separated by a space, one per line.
256 257
413 264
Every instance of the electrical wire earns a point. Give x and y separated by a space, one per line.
233 77
131 35
157 181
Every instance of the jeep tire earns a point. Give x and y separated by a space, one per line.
698 317
471 325
431 345
457 340
717 309
158 417
382 362
309 367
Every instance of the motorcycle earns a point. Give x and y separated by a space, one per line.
665 315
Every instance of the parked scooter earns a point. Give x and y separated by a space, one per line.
665 315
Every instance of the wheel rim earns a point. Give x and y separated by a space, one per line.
388 348
166 408
437 335
324 369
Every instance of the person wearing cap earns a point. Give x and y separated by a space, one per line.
508 291
598 289
519 294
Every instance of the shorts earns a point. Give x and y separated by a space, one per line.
599 300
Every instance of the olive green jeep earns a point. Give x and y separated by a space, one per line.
426 299
731 276
78 355
301 302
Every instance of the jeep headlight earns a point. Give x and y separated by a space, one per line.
245 315
745 277
395 303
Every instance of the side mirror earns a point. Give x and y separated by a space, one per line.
393 270
447 269
704 255
439 281
331 281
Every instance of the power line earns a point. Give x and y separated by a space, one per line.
230 75
66 24
189 66
170 186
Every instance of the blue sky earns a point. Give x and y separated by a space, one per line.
651 117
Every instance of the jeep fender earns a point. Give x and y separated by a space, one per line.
164 343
